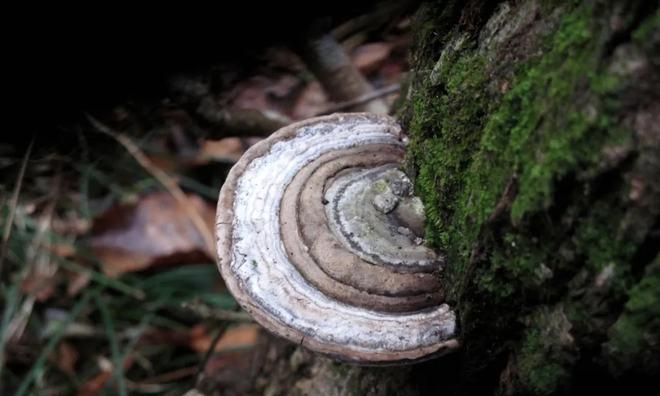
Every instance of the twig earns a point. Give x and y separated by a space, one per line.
378 93
209 352
169 183
13 203
206 312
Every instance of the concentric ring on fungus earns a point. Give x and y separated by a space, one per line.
319 239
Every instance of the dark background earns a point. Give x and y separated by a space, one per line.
65 62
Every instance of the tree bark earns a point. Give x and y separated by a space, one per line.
535 145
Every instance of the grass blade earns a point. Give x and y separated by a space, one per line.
101 279
50 346
11 303
108 322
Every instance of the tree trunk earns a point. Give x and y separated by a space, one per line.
535 145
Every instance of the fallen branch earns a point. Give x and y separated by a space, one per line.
341 80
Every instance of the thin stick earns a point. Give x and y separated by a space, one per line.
378 93
209 352
13 203
167 182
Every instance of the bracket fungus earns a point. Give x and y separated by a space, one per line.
319 239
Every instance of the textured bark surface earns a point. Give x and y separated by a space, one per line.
536 142
536 148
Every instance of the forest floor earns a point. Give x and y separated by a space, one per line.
108 282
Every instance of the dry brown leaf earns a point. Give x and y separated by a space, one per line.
369 57
154 231
63 250
67 357
230 369
166 162
77 282
224 150
200 338
39 284
165 337
310 101
95 385
266 93
69 224
242 336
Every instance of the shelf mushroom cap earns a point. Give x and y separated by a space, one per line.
319 238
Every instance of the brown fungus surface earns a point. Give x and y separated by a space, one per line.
319 238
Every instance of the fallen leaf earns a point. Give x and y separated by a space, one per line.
223 150
67 356
310 101
369 57
63 250
69 224
238 337
154 231
267 93
95 385
165 337
41 285
77 282
231 369
283 58
200 338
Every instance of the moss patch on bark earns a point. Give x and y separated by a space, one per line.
524 150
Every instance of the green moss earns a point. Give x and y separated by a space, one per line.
431 30
634 340
546 378
520 260
469 143
538 128
597 236
546 351
648 28
548 124
445 130
647 36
